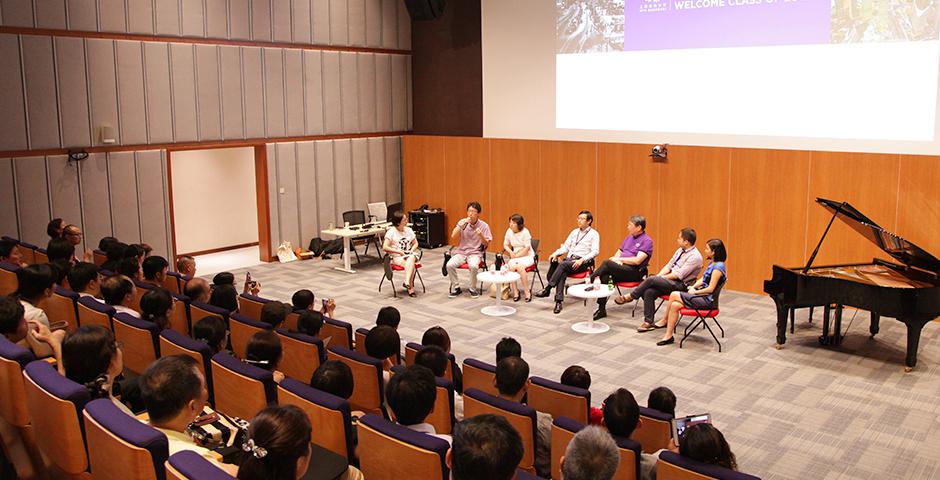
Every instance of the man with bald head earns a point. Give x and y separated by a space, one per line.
197 290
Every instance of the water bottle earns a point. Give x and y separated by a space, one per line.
610 283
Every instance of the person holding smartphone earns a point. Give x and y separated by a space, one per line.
14 327
402 247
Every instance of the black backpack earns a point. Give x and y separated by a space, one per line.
330 247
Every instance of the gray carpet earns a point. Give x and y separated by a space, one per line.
801 412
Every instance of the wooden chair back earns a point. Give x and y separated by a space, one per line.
332 421
241 331
655 432
140 347
61 307
383 457
250 308
476 403
111 457
339 335
236 395
367 379
301 358
57 426
8 281
559 400
479 375
89 316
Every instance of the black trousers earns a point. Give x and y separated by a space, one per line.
558 272
619 273
653 288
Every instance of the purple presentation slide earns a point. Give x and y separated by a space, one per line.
681 24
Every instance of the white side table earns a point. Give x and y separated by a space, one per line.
499 278
599 291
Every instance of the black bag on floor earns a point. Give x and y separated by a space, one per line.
330 247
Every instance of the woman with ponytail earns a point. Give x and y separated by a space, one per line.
278 445
156 306
91 357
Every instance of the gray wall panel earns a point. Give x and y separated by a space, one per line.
332 103
294 91
404 27
50 14
8 197
377 173
153 215
349 85
112 16
274 92
42 108
183 85
73 92
103 87
300 21
373 23
193 18
383 92
326 191
253 91
389 24
159 101
123 187
356 15
82 15
281 20
239 19
167 15
339 30
13 120
216 19
313 86
96 203
320 21
17 13
393 180
140 16
271 152
307 205
360 174
343 177
261 20
33 208
131 104
208 93
63 188
399 93
287 201
366 94
232 121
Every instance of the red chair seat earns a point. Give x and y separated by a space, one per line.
532 268
702 313
628 284
581 274
664 297
466 266
400 268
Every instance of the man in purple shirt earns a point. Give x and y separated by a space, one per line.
629 263
681 271
474 235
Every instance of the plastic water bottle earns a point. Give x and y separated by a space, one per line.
610 283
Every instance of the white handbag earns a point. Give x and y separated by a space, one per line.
285 252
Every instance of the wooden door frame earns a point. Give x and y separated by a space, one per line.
261 196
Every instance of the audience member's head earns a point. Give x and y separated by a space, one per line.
155 268
333 377
511 376
92 358
433 358
35 282
436 336
278 445
411 393
508 347
703 442
146 250
211 330
130 268
197 290
576 376
156 305
117 290
264 350
12 320
223 278
186 265
73 234
55 227
688 234
310 322
388 316
484 447
106 242
60 249
60 271
591 455
174 391
382 342
663 400
10 252
83 278
274 313
115 252
135 251
224 296
621 413
302 299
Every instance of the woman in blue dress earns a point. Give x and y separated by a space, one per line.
700 295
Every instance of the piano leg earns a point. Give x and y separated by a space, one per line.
875 326
824 338
837 333
782 317
913 341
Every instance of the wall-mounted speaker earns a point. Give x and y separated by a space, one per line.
107 134
425 9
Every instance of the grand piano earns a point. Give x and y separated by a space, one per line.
907 289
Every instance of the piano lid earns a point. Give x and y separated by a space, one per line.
899 248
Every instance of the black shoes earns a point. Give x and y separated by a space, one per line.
454 292
544 293
557 307
600 313
668 341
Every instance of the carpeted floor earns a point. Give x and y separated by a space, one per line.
802 412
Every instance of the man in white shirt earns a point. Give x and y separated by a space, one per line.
119 291
512 375
411 393
574 256
83 279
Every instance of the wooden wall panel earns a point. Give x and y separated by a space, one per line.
13 120
423 167
466 168
628 183
870 183
167 17
82 14
112 16
919 202
73 95
133 112
184 92
768 214
300 21
216 19
260 20
140 16
566 172
50 14
239 14
159 100
515 182
41 99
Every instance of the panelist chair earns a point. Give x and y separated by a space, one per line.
466 265
389 451
535 265
702 317
630 285
189 465
580 276
559 400
479 375
368 385
656 431
239 389
389 272
330 415
672 466
522 417
121 446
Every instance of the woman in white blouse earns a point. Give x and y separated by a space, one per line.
402 246
518 246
